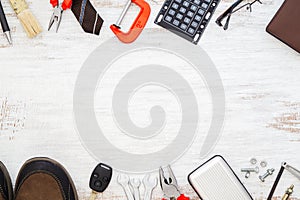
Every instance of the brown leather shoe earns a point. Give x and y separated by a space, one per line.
44 179
6 191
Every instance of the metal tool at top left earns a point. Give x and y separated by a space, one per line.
57 12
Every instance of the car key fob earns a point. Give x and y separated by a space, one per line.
100 178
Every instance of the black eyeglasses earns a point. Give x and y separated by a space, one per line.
232 9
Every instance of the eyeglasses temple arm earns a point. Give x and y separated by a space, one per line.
227 22
227 12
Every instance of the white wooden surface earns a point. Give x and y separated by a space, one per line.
260 76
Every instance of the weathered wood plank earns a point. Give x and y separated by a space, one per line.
260 76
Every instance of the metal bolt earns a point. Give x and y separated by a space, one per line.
247 175
268 173
256 170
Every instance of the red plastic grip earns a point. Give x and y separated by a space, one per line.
137 26
66 4
182 197
54 3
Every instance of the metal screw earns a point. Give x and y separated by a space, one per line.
268 173
256 170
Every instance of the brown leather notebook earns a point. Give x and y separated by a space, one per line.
285 25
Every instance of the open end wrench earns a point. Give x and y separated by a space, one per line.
135 183
149 184
123 180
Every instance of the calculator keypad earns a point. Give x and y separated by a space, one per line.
194 8
186 4
197 2
201 12
175 6
179 16
182 10
186 18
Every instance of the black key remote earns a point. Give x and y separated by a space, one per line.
100 178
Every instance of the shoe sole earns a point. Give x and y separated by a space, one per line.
8 179
55 163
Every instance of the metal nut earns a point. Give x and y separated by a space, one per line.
263 164
253 161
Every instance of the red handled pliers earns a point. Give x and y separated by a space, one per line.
169 186
57 13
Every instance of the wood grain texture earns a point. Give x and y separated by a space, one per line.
260 76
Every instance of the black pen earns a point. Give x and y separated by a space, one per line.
4 24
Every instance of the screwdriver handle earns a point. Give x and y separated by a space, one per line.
3 20
66 4
93 195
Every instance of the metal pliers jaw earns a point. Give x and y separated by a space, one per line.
169 184
56 17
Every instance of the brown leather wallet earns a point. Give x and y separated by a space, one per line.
285 25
